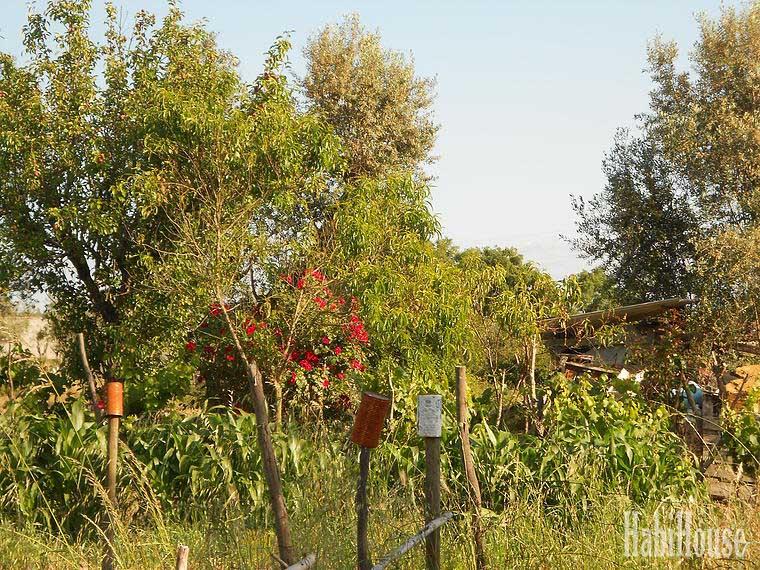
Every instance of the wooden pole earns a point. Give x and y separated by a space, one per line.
264 435
469 466
433 501
368 426
10 372
362 512
429 410
90 376
271 468
183 552
114 411
111 473
113 457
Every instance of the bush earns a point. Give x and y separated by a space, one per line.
742 437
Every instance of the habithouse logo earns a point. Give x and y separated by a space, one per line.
676 535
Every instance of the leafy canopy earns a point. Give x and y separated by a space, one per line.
371 97
82 127
690 174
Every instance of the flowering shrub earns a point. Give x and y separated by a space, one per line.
310 346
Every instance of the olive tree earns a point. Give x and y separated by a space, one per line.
690 173
371 96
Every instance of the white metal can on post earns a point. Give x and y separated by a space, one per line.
429 415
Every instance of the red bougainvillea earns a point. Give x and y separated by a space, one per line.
312 344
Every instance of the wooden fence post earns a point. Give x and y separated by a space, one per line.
429 408
469 466
114 411
264 436
183 552
269 463
362 512
368 426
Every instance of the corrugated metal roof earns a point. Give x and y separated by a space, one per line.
629 313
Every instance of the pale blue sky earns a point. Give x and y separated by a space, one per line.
529 93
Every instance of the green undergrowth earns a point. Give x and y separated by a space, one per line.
525 536
193 476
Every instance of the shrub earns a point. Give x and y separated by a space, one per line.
308 340
742 437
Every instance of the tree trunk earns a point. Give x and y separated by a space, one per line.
500 396
278 405
90 377
98 298
268 458
271 468
532 372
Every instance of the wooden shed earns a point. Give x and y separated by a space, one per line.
571 341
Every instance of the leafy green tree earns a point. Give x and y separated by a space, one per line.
498 356
641 227
80 123
508 299
729 267
249 202
690 174
415 304
245 199
371 96
681 208
596 290
709 128
706 121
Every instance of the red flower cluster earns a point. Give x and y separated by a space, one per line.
251 327
302 280
356 330
317 275
324 352
216 309
308 361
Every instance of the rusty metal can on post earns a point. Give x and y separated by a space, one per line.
368 424
115 398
